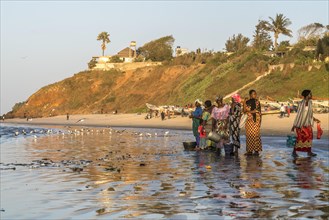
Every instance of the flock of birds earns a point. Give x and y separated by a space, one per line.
82 131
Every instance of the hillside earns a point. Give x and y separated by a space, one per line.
177 83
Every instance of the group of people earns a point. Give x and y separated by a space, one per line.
285 110
226 119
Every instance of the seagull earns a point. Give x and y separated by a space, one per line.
148 134
35 137
141 134
166 133
80 120
16 133
156 134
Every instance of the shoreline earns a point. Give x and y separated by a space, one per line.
271 124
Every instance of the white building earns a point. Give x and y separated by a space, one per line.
181 51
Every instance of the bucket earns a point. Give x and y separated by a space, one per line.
228 148
189 145
213 136
291 141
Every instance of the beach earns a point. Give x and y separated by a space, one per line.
271 124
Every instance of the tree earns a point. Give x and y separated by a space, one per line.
314 30
92 63
278 26
116 59
262 39
322 49
236 43
158 50
104 37
283 46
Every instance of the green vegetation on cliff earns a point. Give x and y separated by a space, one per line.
178 82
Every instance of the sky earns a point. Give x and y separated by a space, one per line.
43 42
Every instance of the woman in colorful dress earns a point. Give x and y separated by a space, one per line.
220 122
234 122
303 124
196 116
253 109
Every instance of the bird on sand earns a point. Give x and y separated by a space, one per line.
166 133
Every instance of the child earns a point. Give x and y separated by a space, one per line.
203 136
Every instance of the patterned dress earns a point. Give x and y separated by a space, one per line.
253 123
206 117
303 123
221 115
235 115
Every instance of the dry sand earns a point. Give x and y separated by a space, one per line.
271 124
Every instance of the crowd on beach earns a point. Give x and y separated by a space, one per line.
218 126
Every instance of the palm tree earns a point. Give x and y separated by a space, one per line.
279 25
104 36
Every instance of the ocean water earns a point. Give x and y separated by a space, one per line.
103 173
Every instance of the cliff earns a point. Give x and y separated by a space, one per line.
176 83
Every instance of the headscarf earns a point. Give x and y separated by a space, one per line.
236 98
220 97
207 104
198 101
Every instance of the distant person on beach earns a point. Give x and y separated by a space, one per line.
253 123
196 116
288 110
67 116
3 118
303 124
234 121
282 111
220 115
206 120
162 115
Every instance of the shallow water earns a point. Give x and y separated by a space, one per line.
97 175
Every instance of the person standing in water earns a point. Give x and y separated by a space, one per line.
235 116
253 123
196 116
220 115
303 125
207 120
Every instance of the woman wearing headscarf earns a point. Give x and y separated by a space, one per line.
253 109
303 124
234 121
196 116
220 122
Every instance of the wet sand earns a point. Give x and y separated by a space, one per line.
107 174
271 124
